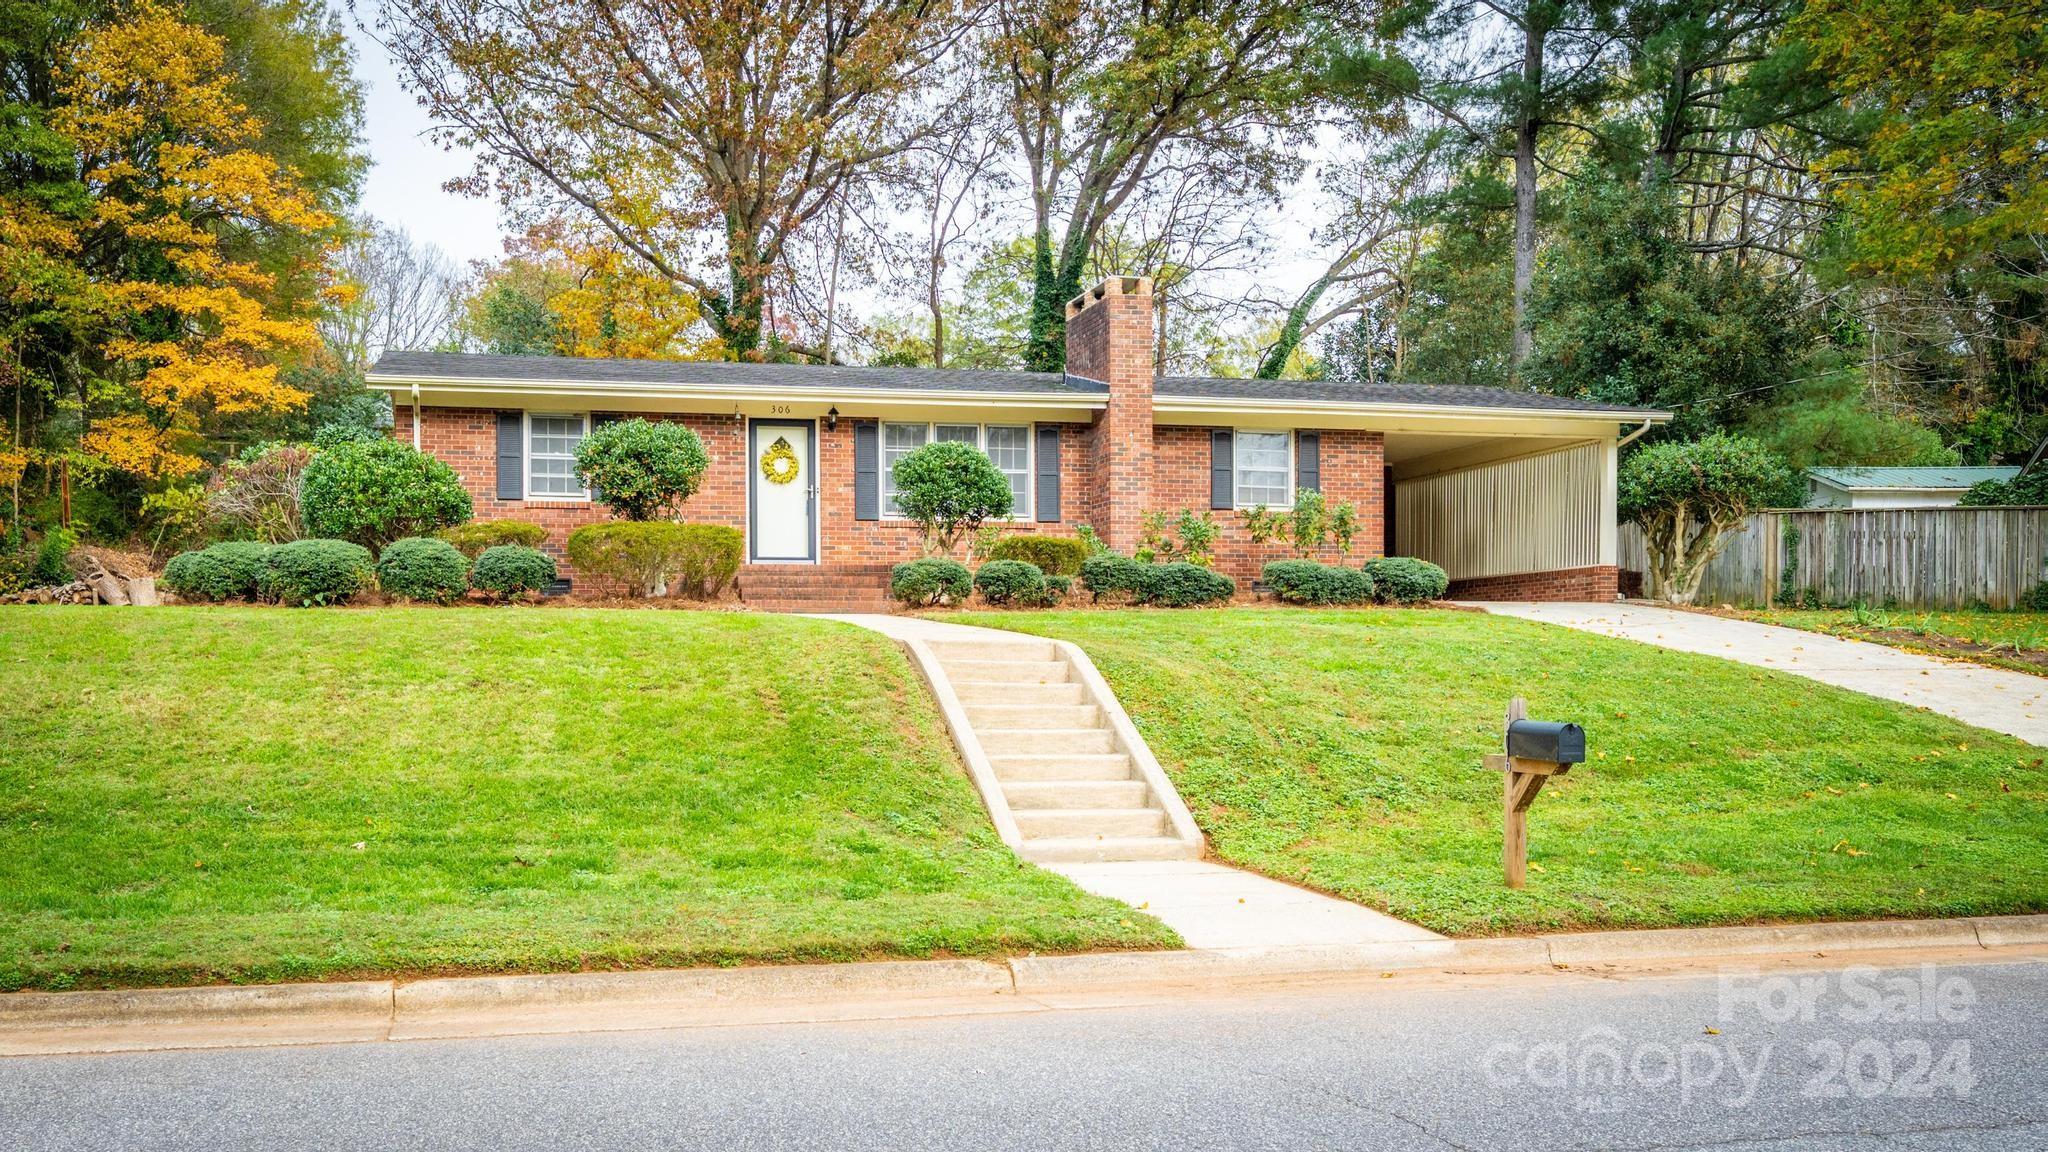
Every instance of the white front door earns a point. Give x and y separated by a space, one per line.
785 486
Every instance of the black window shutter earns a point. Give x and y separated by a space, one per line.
1048 494
1221 492
1308 461
511 455
867 471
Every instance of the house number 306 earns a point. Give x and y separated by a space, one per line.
778 409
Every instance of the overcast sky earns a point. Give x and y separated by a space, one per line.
407 171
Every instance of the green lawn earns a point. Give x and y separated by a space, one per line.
2015 640
195 794
1341 749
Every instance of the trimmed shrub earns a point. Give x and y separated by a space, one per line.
375 491
508 571
1184 585
637 553
230 571
472 538
949 488
1010 582
641 469
1406 580
1307 582
1058 588
423 568
304 573
707 557
930 581
1108 574
1054 555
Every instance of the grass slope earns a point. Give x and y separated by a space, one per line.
2014 640
198 794
1341 749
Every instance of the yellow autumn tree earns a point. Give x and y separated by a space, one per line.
563 293
178 330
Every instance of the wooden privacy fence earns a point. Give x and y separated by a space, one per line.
1904 557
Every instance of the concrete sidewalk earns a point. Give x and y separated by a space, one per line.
2010 702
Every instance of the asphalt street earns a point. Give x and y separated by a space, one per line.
1938 1057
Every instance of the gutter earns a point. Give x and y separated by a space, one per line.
1624 442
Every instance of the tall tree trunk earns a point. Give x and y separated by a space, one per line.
1528 122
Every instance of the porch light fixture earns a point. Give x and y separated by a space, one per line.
832 419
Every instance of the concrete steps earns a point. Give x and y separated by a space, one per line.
1072 789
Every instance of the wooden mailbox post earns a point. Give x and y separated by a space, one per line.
1534 752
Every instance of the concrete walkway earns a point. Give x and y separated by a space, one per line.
1211 905
2010 702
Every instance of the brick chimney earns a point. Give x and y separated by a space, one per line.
1109 338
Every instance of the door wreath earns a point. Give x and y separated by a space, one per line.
779 463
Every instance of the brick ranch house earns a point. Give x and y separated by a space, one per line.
1513 493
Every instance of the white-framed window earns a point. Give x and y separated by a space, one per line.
898 441
551 440
1262 468
1008 447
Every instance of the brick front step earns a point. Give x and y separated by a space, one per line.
816 587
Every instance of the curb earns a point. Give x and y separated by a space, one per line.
41 1023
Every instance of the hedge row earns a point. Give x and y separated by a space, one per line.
306 573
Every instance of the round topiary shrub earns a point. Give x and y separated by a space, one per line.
1184 585
1054 555
375 491
472 538
228 571
1108 574
1307 582
1406 580
423 568
1010 582
930 581
641 468
509 571
949 488
304 573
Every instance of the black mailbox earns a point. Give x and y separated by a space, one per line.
1550 740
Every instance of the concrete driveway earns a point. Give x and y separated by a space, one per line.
2010 702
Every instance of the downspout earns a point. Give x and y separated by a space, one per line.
1624 442
416 416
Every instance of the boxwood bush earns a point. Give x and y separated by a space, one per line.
932 580
1054 555
423 568
1307 582
229 571
308 572
1406 580
1011 582
472 538
639 554
1183 585
1108 574
508 571
707 557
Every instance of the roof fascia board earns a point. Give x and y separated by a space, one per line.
1218 405
727 393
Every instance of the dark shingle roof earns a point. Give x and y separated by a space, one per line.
550 369
1352 392
566 370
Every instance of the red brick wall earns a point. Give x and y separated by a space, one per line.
1353 468
1600 584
